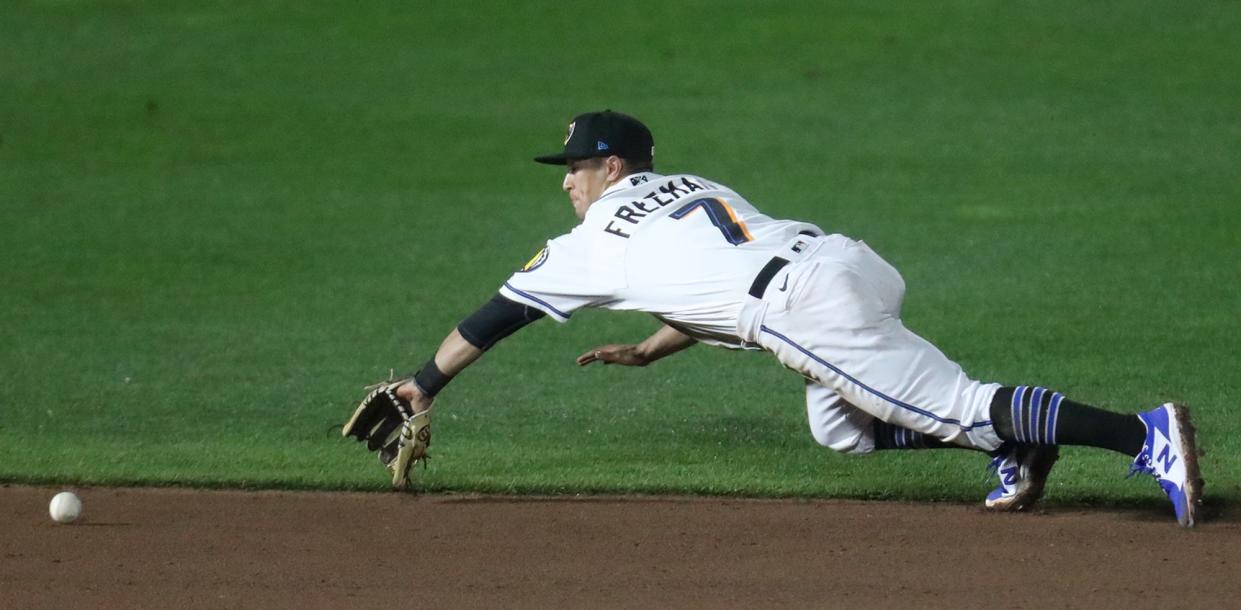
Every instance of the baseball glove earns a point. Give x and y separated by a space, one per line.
387 424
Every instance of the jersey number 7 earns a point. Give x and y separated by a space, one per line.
721 216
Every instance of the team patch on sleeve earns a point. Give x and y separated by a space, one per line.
535 262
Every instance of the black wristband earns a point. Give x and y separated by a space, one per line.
430 379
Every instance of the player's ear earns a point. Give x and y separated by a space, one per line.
616 168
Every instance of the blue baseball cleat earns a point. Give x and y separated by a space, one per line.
1023 471
1171 456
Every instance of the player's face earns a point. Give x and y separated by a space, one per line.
584 181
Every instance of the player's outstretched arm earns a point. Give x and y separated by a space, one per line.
495 320
395 418
453 355
665 342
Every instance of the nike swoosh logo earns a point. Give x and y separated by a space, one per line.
786 284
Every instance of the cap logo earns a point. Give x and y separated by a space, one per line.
601 145
569 134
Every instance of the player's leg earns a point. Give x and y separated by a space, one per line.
1161 441
836 424
1036 415
843 330
1023 426
875 364
842 427
838 326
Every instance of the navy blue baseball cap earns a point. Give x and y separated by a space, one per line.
603 134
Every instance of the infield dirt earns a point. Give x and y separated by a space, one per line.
161 548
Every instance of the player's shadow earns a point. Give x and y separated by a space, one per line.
1157 510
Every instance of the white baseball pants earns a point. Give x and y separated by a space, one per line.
833 315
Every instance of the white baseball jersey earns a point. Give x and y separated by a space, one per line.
680 247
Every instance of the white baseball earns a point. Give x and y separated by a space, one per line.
65 507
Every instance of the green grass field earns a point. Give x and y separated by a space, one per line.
221 220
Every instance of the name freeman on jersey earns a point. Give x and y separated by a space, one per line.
636 210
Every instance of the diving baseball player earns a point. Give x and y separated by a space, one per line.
716 270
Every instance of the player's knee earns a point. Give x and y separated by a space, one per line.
852 444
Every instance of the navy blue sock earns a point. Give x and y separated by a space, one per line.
1038 416
888 436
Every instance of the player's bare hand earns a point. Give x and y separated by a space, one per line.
627 355
416 398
